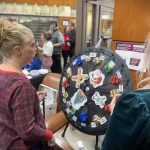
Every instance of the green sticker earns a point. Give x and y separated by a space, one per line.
108 68
72 111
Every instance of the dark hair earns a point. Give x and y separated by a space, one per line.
47 35
53 22
72 24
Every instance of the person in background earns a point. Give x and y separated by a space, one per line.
72 38
58 41
129 127
47 60
66 47
22 125
1 59
99 43
36 61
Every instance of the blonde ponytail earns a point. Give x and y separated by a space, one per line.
144 75
5 25
11 35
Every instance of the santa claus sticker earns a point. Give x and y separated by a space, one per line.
96 78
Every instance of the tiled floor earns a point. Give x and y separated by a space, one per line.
73 136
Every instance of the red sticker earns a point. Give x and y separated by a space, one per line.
115 80
65 84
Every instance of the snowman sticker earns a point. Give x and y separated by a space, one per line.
96 78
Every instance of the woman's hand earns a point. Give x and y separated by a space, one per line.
113 103
41 95
51 142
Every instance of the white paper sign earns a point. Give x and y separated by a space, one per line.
132 54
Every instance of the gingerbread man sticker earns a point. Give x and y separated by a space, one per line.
80 77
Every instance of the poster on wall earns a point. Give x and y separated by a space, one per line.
132 54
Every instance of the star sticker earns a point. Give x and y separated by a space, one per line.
96 61
69 72
96 118
80 77
108 68
115 80
65 95
65 84
114 92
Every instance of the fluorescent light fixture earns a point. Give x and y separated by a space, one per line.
106 17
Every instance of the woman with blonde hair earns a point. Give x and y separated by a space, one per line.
22 125
129 127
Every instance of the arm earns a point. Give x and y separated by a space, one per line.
40 48
60 40
72 39
26 113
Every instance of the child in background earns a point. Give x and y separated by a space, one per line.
36 62
47 50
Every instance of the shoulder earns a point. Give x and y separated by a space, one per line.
17 81
49 44
135 99
22 80
73 31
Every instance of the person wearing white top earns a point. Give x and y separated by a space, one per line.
47 60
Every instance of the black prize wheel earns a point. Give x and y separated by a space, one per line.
87 86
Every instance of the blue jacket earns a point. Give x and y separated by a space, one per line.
35 65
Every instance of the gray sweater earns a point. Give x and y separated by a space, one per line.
57 40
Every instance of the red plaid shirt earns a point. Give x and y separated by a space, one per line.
21 122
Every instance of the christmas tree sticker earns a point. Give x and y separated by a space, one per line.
78 99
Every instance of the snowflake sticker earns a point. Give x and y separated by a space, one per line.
99 100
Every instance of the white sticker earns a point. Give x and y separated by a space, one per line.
87 58
118 74
74 62
64 78
68 110
83 57
121 88
83 124
63 90
74 118
102 57
103 120
111 64
68 103
92 54
64 100
96 78
93 125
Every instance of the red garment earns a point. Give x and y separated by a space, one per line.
21 122
65 46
